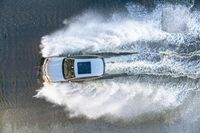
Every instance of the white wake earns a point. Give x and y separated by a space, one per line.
139 31
130 31
123 98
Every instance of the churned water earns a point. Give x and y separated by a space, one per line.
163 72
157 87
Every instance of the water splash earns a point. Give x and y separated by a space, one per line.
164 50
124 98
134 31
156 64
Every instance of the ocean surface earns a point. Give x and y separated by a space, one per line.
157 89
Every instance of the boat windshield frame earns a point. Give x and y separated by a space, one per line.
68 68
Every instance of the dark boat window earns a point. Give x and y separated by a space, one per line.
84 67
64 67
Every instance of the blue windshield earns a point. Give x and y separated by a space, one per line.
84 67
